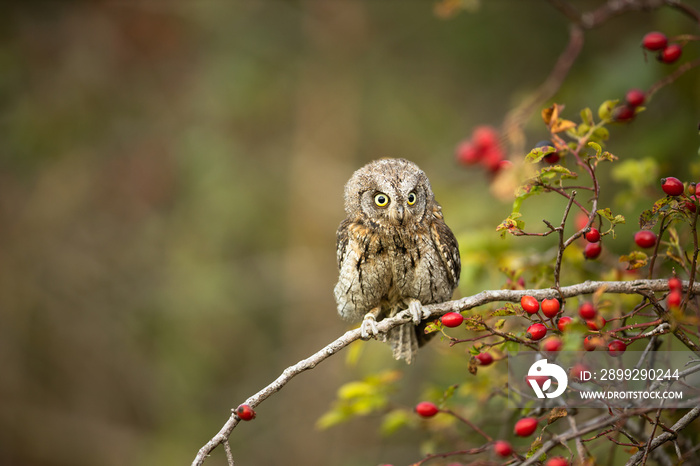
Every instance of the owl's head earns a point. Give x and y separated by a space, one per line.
390 192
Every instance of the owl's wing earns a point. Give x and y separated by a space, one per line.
341 241
447 245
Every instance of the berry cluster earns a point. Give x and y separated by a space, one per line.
634 99
658 42
588 313
483 148
675 295
593 246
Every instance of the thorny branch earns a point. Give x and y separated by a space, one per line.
643 287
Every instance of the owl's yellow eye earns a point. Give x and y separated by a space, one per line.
381 199
412 198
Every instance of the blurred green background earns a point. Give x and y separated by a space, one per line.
171 179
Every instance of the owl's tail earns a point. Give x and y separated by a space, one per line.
404 341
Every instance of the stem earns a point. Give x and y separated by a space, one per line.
693 267
562 246
470 424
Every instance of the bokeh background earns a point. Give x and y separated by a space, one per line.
171 178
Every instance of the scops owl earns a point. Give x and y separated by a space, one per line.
395 252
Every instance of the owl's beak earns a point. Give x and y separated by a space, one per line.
397 215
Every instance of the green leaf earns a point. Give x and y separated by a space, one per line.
508 309
637 173
536 154
449 393
635 260
332 418
601 134
355 389
607 214
432 327
605 111
499 324
510 224
474 323
553 170
579 131
596 147
512 347
587 116
667 206
394 420
522 193
534 448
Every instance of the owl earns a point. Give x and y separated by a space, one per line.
394 252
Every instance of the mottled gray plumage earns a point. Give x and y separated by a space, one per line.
394 251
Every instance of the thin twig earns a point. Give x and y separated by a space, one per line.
229 454
562 246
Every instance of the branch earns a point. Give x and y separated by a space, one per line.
666 436
642 287
605 420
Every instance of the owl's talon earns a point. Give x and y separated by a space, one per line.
418 314
369 329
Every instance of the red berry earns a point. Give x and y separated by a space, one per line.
587 311
624 113
672 186
467 153
691 204
484 359
675 284
554 157
503 165
597 323
671 53
552 344
525 426
493 159
485 137
592 342
635 97
536 331
563 323
502 448
426 409
592 250
557 461
580 221
452 319
654 41
645 238
245 413
616 348
593 235
550 307
529 304
674 299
